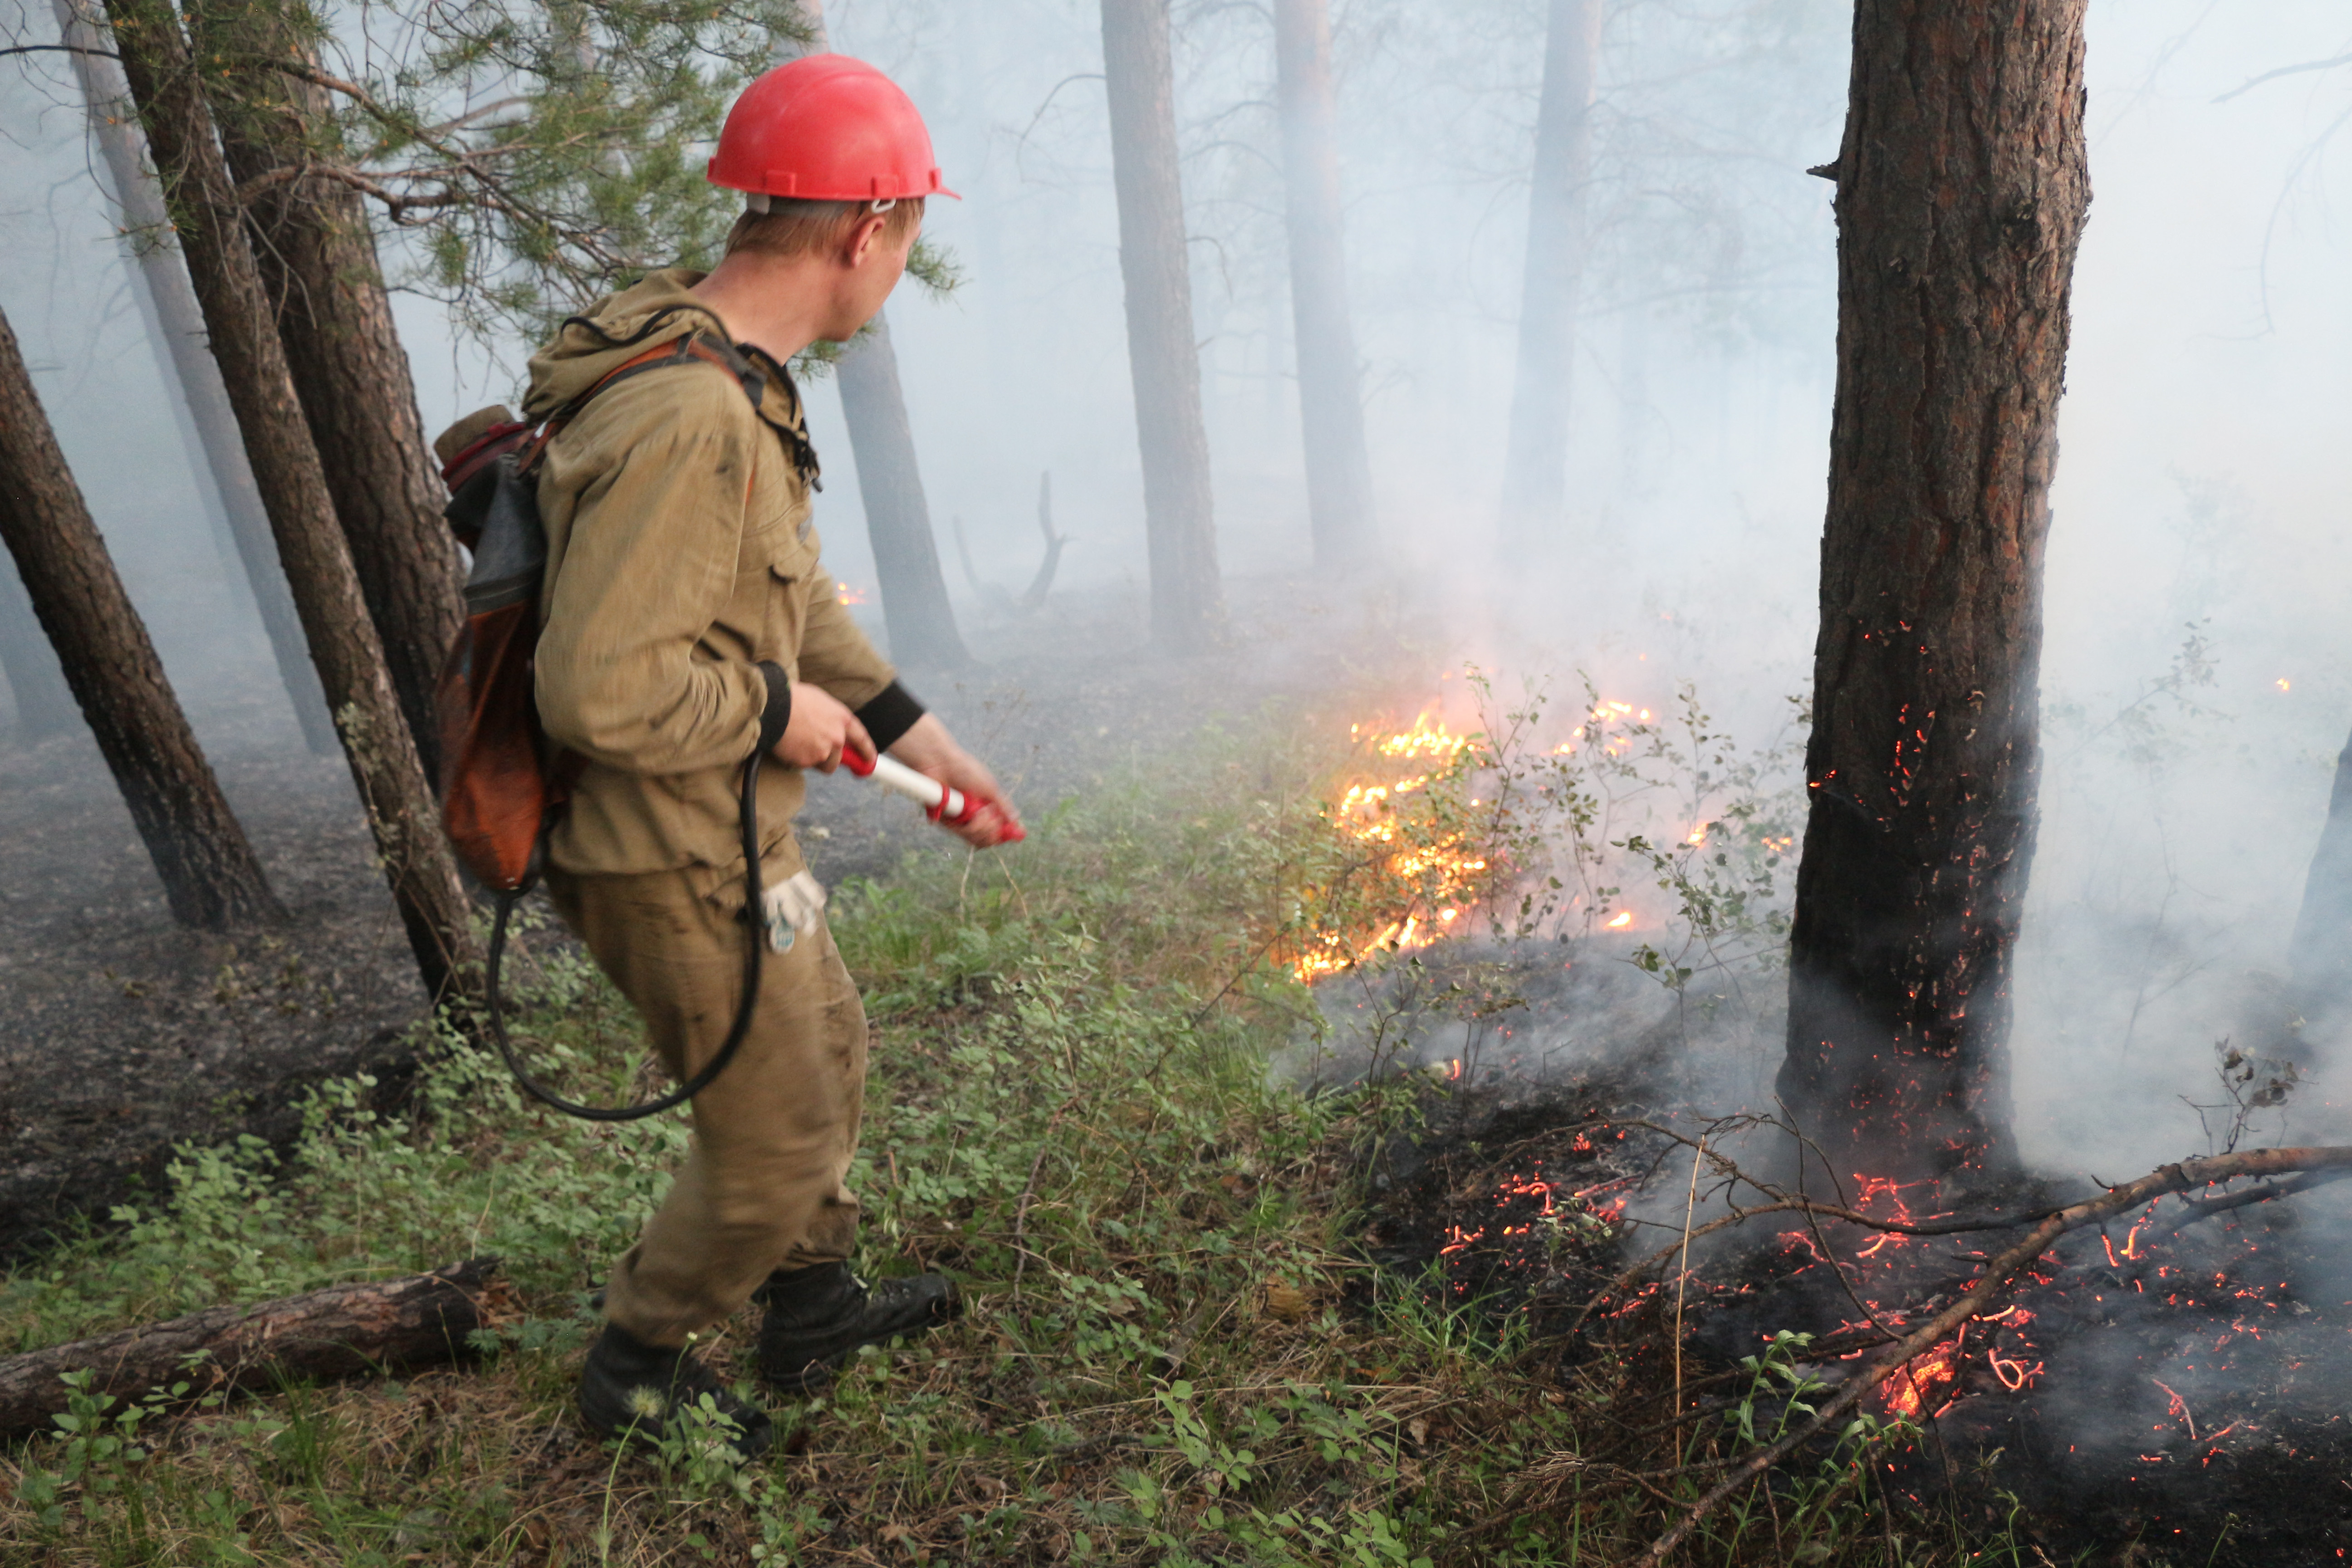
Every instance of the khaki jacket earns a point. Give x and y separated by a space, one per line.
680 556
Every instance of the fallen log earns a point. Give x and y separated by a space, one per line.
376 1325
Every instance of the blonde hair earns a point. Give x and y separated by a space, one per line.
780 225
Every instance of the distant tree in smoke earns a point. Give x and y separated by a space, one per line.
1180 516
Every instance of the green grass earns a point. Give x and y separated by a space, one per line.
1174 1353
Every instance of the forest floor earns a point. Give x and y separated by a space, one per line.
131 1032
1212 1318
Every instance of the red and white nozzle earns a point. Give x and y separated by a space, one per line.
939 801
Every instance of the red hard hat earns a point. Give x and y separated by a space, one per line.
826 128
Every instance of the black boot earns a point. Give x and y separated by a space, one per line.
632 1389
817 1317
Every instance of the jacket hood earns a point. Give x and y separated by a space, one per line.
652 312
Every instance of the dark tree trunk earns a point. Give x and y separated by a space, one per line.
1962 187
914 606
1535 460
343 639
45 705
2319 956
318 261
175 329
1331 394
210 875
1179 509
343 1330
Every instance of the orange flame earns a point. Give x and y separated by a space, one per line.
1366 814
843 593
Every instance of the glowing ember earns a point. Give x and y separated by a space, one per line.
844 594
1913 1391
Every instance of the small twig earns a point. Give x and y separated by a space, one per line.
1681 1269
60 49
1029 1192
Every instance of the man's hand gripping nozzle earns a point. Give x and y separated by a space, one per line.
792 906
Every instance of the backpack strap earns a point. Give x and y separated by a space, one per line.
749 372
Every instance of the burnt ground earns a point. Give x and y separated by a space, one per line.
2155 1399
127 1034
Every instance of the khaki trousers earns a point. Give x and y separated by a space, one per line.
762 1184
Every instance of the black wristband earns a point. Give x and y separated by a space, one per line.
889 715
778 712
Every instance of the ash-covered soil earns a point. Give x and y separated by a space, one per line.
127 1034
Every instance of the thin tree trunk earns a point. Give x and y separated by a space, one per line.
45 705
915 605
209 872
1962 187
1178 508
343 643
1535 460
898 519
176 327
1331 391
318 262
2319 955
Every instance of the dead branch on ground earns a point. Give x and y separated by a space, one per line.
418 1320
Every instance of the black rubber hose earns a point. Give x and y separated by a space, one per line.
758 931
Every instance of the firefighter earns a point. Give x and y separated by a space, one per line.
688 621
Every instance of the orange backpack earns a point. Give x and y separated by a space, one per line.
502 786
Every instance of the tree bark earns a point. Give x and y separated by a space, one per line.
1534 458
2319 955
343 644
1331 391
175 329
344 1331
210 875
318 262
915 605
1962 187
1179 508
45 705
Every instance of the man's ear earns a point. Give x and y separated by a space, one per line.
864 237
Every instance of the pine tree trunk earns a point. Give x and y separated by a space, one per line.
1178 508
343 639
1962 187
2319 956
914 606
209 872
318 262
1534 459
1330 392
45 705
175 329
